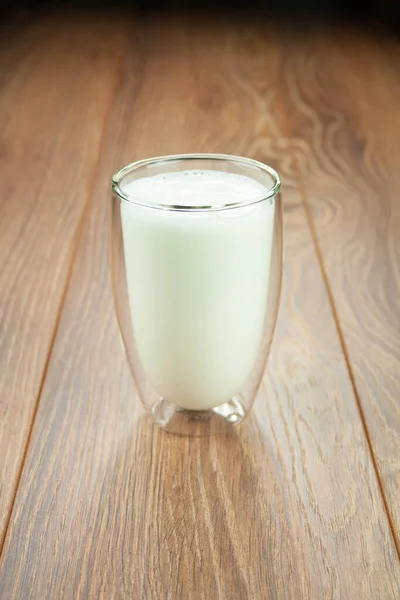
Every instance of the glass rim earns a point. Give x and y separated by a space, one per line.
249 162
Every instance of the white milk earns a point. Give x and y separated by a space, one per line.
197 283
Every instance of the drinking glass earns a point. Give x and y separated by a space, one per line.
196 285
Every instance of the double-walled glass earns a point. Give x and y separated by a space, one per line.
196 287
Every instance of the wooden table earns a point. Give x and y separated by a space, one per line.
302 501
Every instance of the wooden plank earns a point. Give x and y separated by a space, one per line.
344 96
288 505
58 80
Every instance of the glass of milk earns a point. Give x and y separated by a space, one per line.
197 260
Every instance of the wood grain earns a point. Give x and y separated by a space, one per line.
287 506
343 97
58 80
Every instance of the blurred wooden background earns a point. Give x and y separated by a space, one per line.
302 501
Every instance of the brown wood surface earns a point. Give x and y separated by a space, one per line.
293 504
58 79
346 96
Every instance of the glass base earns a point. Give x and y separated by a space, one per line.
198 422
